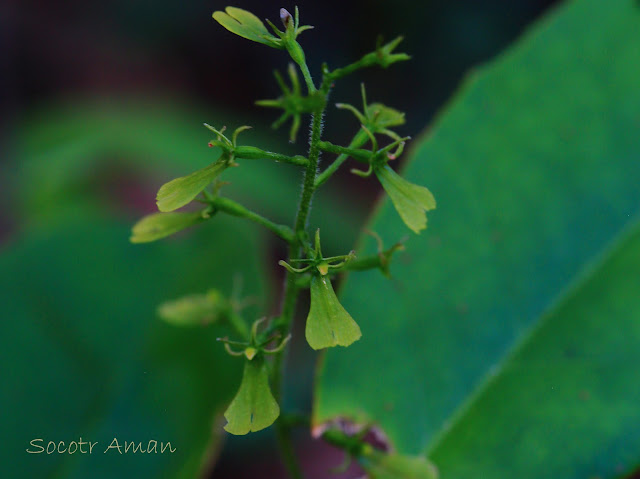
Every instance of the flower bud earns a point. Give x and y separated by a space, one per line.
287 19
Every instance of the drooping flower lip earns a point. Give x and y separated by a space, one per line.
328 323
253 408
246 25
411 201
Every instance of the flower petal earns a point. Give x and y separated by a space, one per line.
160 225
179 192
328 323
410 200
245 24
254 407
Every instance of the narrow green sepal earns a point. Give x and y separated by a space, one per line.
376 116
280 347
246 25
194 309
345 106
410 200
253 408
328 323
293 102
382 465
177 193
160 225
385 55
363 173
291 269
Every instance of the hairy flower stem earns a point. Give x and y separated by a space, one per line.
290 296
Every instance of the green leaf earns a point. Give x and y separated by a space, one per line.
179 192
411 201
328 323
246 25
566 399
505 345
254 407
160 225
194 309
382 465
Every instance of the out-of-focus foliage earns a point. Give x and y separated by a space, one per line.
69 153
89 356
85 355
507 342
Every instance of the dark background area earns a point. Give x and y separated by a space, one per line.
62 51
75 50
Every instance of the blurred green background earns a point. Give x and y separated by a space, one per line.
102 103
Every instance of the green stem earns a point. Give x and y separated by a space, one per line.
355 153
287 452
284 322
253 153
358 141
362 264
307 77
236 209
383 57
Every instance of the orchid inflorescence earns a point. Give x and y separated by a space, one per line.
328 324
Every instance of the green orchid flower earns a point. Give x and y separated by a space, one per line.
181 191
411 201
292 102
253 408
328 323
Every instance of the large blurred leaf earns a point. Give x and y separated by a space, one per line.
536 169
565 402
67 152
84 355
